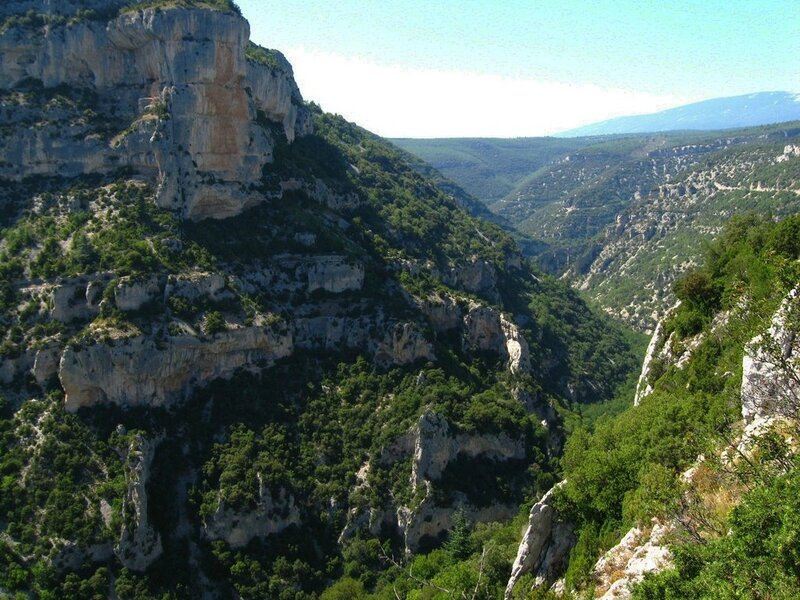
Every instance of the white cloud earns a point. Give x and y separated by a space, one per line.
396 101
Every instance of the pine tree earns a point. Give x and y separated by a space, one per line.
458 543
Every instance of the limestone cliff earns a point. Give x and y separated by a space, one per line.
273 513
178 87
432 445
545 545
139 544
141 370
770 367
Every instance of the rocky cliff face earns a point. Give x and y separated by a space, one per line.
273 513
432 445
639 552
352 354
143 370
771 370
139 544
544 547
177 85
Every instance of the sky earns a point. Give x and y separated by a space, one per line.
517 68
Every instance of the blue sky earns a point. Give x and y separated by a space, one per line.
516 68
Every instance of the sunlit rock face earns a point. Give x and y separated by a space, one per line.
179 88
770 367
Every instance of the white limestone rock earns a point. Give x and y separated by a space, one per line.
180 80
643 387
144 371
403 345
69 301
194 286
434 447
771 367
329 332
335 274
45 365
545 545
638 553
442 310
132 294
139 544
487 329
273 513
431 445
477 276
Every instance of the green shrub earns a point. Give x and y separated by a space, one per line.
214 323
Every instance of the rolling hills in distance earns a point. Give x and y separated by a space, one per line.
621 216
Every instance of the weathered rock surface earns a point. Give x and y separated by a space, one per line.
132 294
771 367
435 446
45 365
273 513
656 345
69 301
432 445
545 545
139 544
193 286
144 371
443 312
403 345
178 79
638 553
477 276
335 274
487 329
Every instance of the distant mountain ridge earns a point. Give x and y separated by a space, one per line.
762 108
622 215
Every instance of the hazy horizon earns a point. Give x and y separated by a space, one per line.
483 69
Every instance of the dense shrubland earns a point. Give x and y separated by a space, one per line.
305 426
625 470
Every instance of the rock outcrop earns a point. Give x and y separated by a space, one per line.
71 300
335 274
403 345
771 367
139 544
273 513
193 286
656 345
178 83
133 294
545 545
434 447
487 329
431 445
477 276
640 551
142 370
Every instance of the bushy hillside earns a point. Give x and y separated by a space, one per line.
489 168
244 349
621 217
709 451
